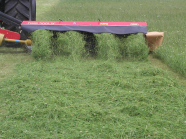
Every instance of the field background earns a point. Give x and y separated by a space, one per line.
163 16
65 98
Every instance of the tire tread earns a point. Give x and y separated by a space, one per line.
18 9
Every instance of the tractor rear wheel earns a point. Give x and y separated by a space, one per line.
20 9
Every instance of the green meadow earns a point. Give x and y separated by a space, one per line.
166 16
60 90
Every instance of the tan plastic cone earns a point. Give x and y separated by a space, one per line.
154 39
1 38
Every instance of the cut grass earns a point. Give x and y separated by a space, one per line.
101 100
107 47
9 58
76 45
63 98
70 44
42 44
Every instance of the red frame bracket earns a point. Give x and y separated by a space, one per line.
10 34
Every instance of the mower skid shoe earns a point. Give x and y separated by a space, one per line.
29 49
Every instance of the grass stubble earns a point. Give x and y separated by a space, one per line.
72 97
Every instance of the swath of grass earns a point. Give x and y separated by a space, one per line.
41 47
107 47
101 100
136 48
72 44
69 44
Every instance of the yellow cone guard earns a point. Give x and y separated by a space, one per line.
1 38
154 39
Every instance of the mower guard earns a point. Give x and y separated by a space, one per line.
92 27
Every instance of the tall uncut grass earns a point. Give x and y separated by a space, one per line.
164 16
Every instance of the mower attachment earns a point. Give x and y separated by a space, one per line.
26 27
91 27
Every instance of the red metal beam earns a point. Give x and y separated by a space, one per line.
84 23
10 34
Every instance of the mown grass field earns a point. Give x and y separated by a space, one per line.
65 97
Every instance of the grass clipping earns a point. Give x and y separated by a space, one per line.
41 48
107 47
71 44
135 47
112 46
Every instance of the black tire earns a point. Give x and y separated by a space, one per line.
32 9
20 9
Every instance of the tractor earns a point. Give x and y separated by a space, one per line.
18 19
14 12
19 9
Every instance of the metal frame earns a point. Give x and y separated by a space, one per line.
2 4
32 10
10 20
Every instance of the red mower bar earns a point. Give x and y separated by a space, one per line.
92 27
